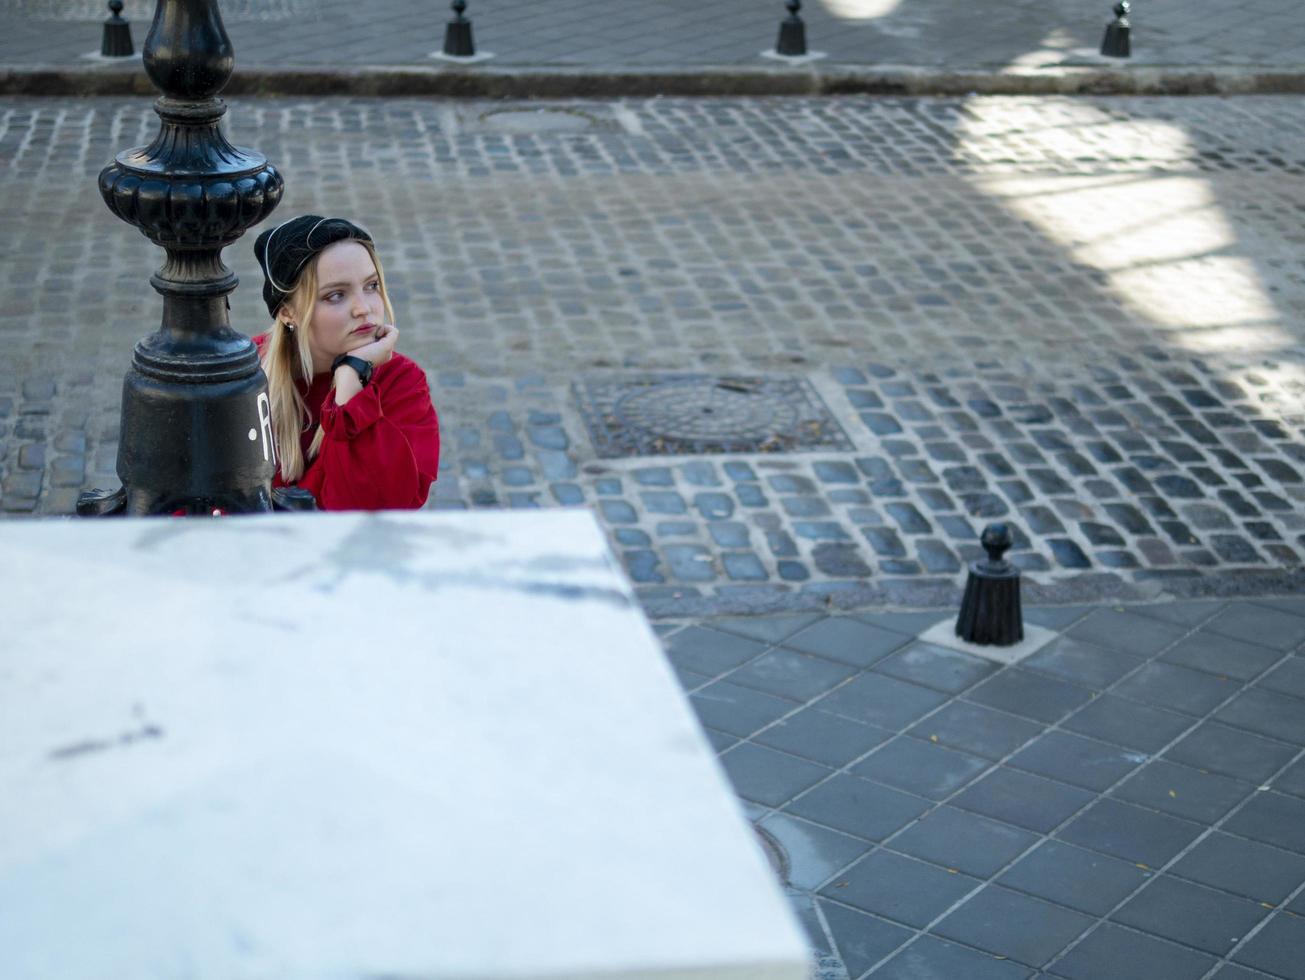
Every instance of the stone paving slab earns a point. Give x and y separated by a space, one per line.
1073 315
657 33
1082 823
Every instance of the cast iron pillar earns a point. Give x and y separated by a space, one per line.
990 611
115 42
196 432
792 41
458 42
1115 43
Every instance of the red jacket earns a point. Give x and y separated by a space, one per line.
381 449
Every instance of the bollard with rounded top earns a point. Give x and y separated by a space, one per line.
116 42
990 611
458 42
792 33
196 434
1116 44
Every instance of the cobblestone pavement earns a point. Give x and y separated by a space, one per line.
838 335
1127 803
658 33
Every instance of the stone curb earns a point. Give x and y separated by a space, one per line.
483 82
1094 588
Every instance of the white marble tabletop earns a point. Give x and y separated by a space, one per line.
357 746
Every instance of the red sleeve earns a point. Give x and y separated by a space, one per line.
381 449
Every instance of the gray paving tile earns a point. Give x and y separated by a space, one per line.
1056 617
769 777
1222 655
1079 761
1292 780
1277 947
822 737
1271 818
1010 924
1294 605
1131 833
1127 723
1231 971
737 710
814 852
767 629
819 946
1266 713
1121 954
847 640
1287 678
963 841
1023 799
880 700
1232 752
709 651
1124 631
974 728
818 942
920 767
933 959
936 667
720 741
787 674
688 679
1180 688
1087 664
1183 791
1084 880
1261 624
1247 868
912 624
899 888
1031 694
1191 914
858 807
862 940
1189 614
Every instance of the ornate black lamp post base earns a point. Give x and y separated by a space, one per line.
196 421
116 42
458 42
990 611
792 33
1116 42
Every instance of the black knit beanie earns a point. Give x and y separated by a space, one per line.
283 251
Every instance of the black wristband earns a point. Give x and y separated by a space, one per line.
361 367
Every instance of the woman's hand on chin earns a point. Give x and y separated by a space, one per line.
381 349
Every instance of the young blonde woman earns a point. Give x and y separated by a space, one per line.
352 419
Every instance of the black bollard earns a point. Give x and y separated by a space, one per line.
196 431
792 33
116 42
457 35
990 611
1116 43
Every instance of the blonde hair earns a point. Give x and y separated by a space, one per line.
288 360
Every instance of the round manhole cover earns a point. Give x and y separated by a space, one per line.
539 119
706 411
774 853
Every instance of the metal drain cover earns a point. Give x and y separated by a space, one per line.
685 414
774 851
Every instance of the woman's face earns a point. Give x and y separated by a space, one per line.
348 308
